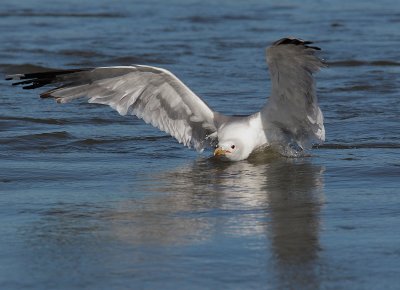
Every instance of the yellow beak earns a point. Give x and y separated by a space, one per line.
219 151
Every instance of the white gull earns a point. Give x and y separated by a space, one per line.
290 122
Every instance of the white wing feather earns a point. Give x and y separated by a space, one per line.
150 93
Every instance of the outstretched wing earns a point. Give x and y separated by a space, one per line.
292 112
152 94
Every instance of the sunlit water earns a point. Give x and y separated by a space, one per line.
93 200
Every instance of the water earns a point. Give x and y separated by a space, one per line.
93 200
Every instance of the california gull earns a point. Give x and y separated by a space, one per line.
290 121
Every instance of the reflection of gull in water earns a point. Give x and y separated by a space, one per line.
242 198
295 199
290 122
269 210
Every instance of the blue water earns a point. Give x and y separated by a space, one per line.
93 200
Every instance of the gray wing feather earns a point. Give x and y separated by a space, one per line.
150 93
292 110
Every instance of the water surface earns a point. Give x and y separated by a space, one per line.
93 200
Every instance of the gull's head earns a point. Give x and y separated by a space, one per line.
231 150
235 140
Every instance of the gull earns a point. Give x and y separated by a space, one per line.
290 121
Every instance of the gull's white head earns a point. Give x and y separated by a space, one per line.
229 150
236 140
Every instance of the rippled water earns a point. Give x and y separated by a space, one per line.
93 200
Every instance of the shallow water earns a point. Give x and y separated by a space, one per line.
93 200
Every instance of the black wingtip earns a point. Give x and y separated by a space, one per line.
295 41
35 80
21 83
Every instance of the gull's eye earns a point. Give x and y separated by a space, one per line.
232 146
